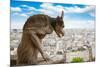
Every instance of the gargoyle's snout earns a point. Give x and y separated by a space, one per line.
60 33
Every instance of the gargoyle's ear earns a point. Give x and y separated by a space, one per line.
62 15
57 18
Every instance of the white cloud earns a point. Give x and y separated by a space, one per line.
89 8
31 8
28 7
77 9
45 5
30 12
24 5
50 9
20 14
92 14
24 15
15 9
50 6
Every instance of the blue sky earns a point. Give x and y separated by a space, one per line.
75 15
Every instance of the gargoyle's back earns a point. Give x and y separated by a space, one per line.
39 23
39 20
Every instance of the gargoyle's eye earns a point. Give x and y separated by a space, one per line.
63 26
